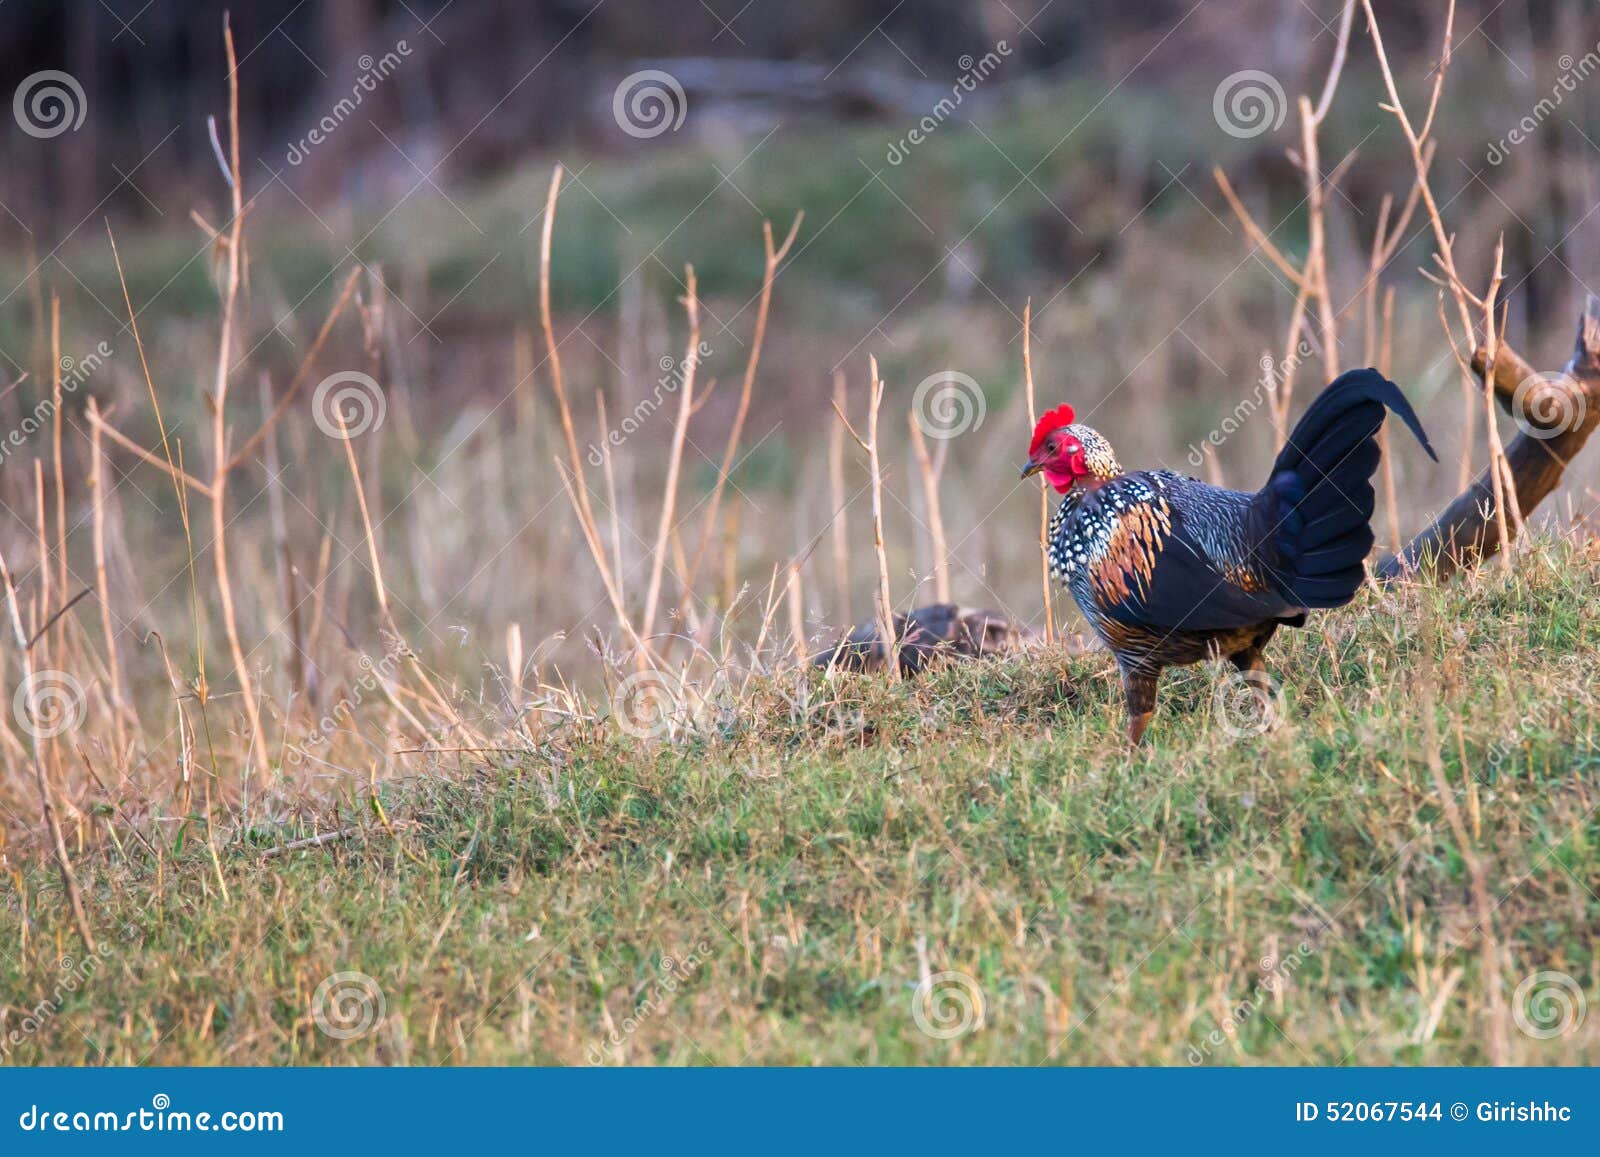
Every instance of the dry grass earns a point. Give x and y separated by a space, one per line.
807 843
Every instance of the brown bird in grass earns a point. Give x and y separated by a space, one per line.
1169 570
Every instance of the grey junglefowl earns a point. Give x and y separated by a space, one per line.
1170 570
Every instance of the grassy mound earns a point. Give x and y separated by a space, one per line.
969 869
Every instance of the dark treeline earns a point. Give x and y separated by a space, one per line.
483 82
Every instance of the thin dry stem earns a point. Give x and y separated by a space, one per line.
797 617
69 879
680 433
97 488
219 425
930 497
1044 488
575 487
253 443
774 258
838 528
891 644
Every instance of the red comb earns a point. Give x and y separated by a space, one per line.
1052 420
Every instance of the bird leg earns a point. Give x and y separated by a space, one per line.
1252 664
1139 688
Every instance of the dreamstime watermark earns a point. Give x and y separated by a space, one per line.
74 975
373 674
49 103
673 375
1548 713
973 73
648 704
348 1005
1247 703
1548 1004
347 404
160 1117
1275 977
373 73
671 973
74 373
648 103
948 404
48 703
1572 71
810 710
1547 404
947 1005
1273 374
1248 103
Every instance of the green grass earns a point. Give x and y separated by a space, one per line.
759 889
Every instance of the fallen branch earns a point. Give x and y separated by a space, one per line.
1557 413
311 842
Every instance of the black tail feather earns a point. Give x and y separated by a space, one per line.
1319 500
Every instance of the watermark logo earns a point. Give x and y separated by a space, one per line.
671 974
673 375
48 703
948 1005
74 372
948 404
348 1005
647 703
1572 72
1273 375
49 103
973 73
1275 976
347 404
1248 103
1547 404
1247 703
373 73
1548 1004
75 974
648 103
373 674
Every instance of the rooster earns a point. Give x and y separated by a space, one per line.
1169 570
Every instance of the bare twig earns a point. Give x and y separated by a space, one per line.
60 468
891 645
1044 490
97 488
575 487
311 842
680 432
797 617
930 497
252 443
774 258
839 527
219 424
98 421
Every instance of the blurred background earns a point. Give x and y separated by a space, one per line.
954 160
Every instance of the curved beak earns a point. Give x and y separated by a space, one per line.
1030 468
